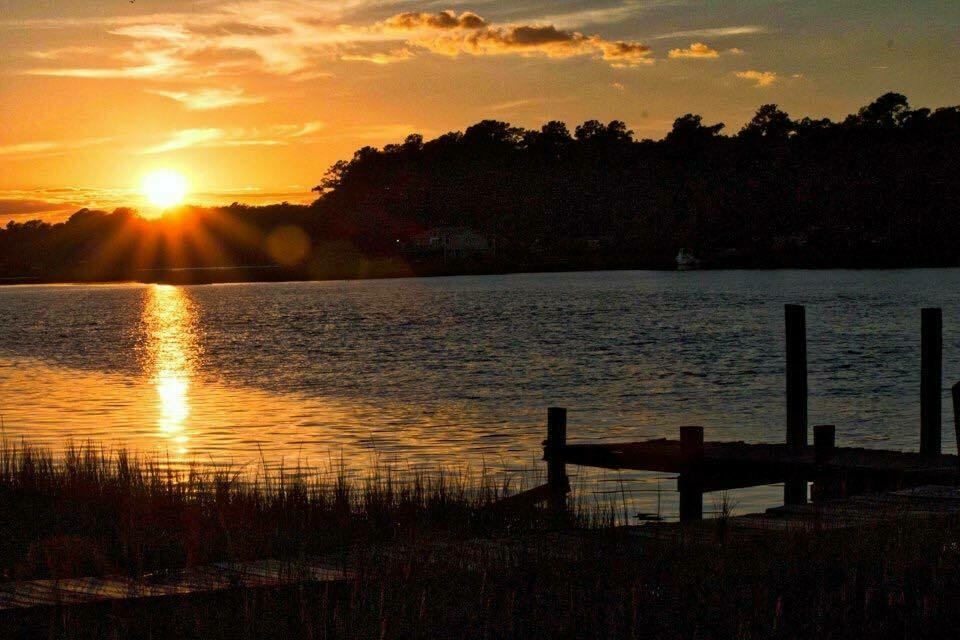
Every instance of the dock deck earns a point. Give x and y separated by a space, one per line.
732 465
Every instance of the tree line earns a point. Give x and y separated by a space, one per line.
879 188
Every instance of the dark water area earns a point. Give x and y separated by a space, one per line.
458 371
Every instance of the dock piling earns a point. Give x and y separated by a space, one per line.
824 440
691 492
795 489
557 480
931 364
955 392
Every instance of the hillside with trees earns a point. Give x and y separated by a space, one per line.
880 188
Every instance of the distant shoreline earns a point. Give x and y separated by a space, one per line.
277 273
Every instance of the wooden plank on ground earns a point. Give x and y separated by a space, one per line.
217 577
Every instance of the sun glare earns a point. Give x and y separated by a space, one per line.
164 188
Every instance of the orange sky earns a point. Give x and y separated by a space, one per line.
253 100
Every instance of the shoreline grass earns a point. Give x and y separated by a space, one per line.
432 558
90 512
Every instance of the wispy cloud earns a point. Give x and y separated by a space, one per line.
281 37
397 55
695 50
761 78
513 104
301 39
49 147
714 32
595 16
205 99
215 137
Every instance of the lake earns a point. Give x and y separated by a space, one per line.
458 372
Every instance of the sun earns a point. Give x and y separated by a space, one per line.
164 188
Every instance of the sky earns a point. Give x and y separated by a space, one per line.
252 100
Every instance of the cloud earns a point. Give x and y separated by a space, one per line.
296 38
15 207
536 40
204 99
152 64
281 37
594 16
397 55
443 20
762 78
215 137
54 205
695 50
716 32
48 147
512 104
28 148
623 54
189 138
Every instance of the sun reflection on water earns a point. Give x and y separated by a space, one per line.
171 355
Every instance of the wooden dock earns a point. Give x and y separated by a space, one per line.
835 472
735 465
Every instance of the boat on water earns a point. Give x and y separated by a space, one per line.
686 260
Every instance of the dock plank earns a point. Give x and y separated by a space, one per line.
731 464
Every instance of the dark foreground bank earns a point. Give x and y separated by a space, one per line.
435 557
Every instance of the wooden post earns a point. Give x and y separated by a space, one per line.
824 439
795 489
955 390
931 363
691 493
691 443
556 468
826 482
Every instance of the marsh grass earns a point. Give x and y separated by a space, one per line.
91 512
431 557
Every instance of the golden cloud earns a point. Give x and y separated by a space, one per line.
442 20
290 38
695 50
536 40
216 137
397 55
205 99
762 78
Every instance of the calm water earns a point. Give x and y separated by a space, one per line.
459 371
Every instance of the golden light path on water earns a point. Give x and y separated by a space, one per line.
171 353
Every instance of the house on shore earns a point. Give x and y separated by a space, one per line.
448 243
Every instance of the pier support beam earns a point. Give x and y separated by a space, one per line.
557 480
931 364
824 440
826 482
955 392
691 493
795 489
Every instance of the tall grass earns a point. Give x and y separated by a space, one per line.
432 557
93 512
